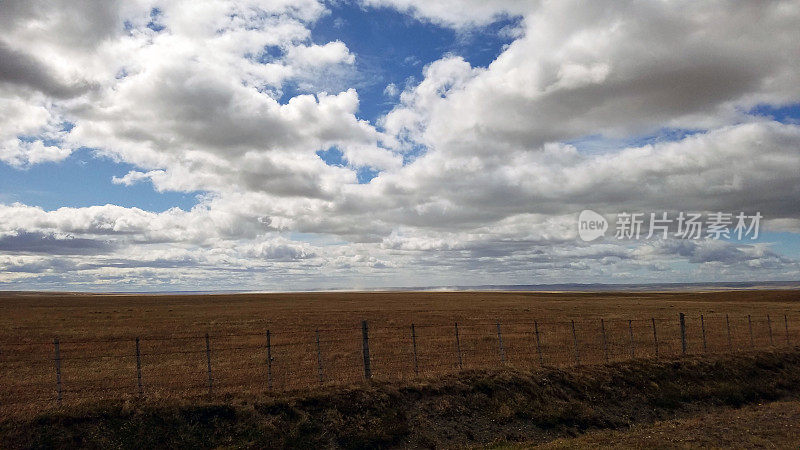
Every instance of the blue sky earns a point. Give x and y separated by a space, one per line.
356 144
84 179
393 48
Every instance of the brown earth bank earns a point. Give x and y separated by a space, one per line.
486 407
769 425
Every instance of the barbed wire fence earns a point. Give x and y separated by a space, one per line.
52 373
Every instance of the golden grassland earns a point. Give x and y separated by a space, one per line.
97 337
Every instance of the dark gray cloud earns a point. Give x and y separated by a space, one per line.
24 70
40 266
715 251
37 242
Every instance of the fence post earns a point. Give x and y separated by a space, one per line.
683 333
575 343
730 341
786 325
458 349
365 347
750 326
319 358
630 332
500 342
769 326
655 336
57 347
605 342
703 330
414 344
139 367
269 360
208 361
538 343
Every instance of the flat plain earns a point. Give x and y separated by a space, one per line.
317 338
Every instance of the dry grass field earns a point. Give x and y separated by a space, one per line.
97 333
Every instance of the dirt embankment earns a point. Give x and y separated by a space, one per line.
768 425
480 407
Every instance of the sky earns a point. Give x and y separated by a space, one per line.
279 145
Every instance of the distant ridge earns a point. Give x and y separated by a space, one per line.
633 287
570 287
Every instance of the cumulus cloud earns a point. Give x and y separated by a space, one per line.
617 68
178 88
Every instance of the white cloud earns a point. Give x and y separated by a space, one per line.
419 103
391 90
24 123
620 68
304 57
17 152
